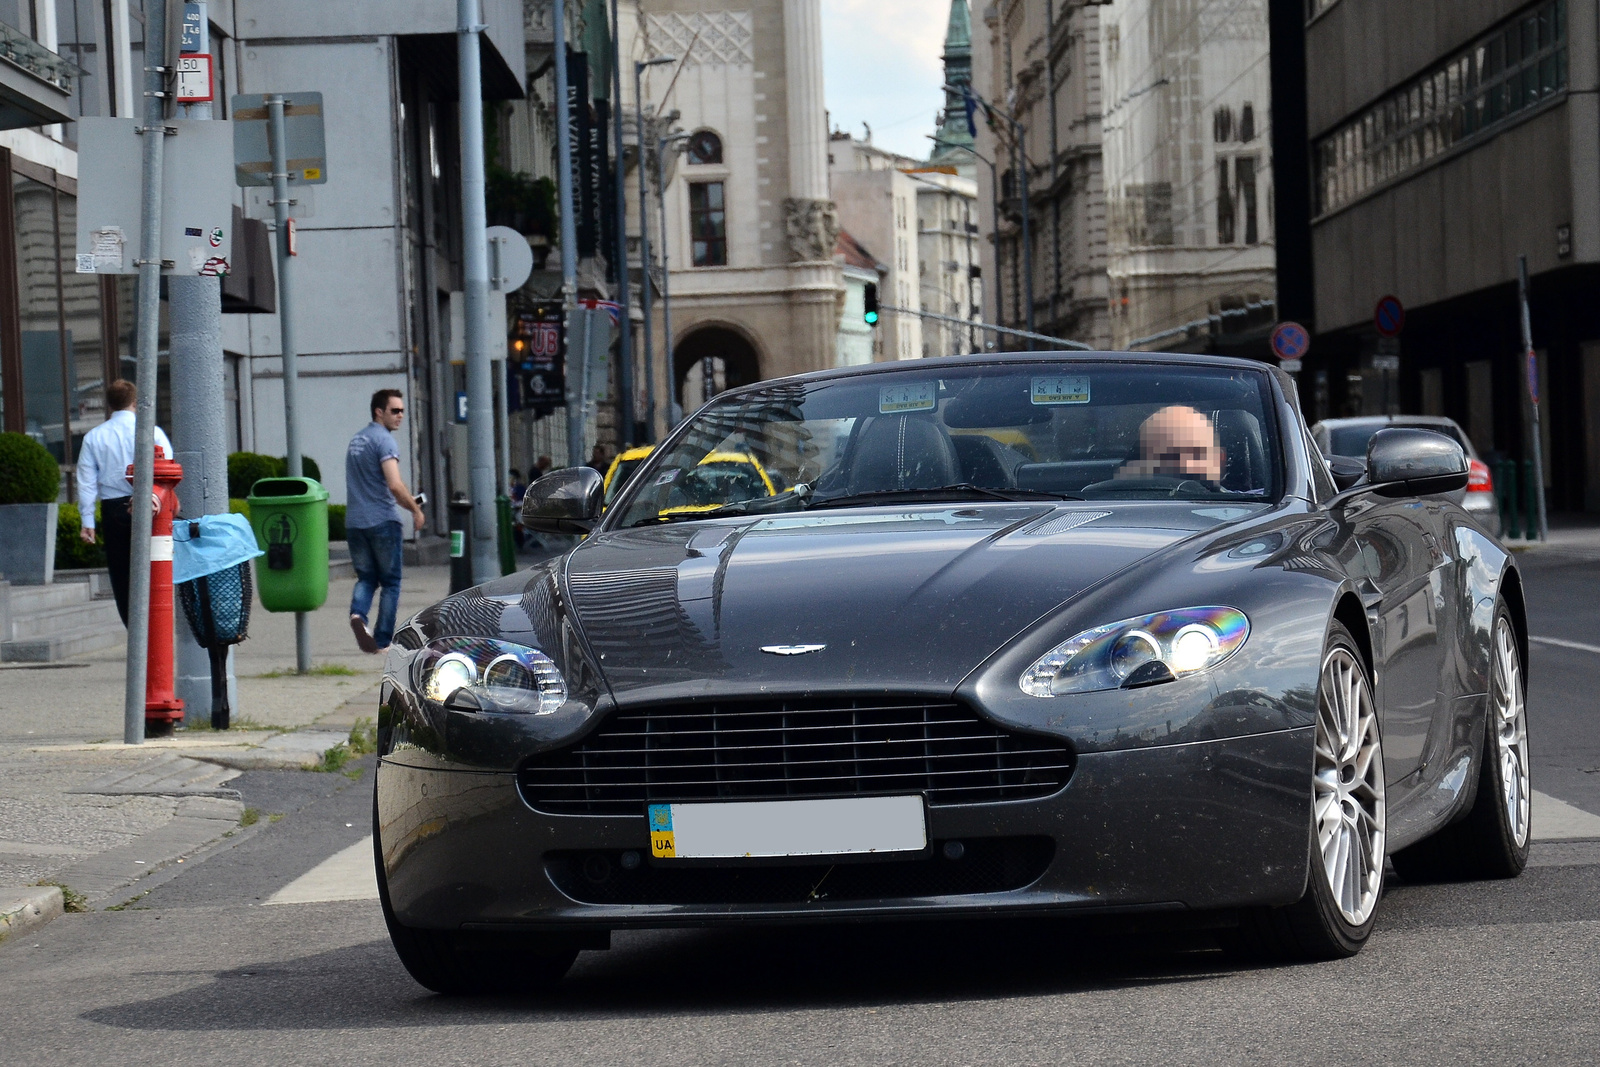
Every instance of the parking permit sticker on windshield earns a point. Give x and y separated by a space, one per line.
898 399
1060 391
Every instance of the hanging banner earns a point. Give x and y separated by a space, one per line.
537 353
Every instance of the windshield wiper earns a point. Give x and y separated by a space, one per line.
940 493
791 500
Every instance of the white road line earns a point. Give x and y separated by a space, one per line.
346 875
1556 820
1562 643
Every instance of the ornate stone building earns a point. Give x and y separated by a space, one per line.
749 226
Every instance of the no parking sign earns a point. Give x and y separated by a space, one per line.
1290 342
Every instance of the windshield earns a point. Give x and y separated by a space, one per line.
1087 431
1353 440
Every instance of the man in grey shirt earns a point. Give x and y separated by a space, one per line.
376 501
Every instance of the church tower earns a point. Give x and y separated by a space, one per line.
954 135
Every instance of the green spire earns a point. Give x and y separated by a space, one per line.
953 131
958 38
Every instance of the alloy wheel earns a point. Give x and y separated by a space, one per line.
1510 724
1349 809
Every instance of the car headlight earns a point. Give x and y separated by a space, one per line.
499 676
1135 652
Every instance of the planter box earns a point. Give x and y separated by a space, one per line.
28 543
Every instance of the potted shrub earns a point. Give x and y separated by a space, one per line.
29 483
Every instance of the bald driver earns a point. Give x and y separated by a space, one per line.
1176 442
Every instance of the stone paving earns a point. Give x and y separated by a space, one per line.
78 806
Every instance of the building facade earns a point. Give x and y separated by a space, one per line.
1446 140
1188 173
747 225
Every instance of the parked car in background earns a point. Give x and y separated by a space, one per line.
1349 437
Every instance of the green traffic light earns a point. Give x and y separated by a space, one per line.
871 317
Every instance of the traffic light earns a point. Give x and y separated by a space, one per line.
870 302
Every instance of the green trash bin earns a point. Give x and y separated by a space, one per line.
290 518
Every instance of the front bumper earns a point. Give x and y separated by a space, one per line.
1207 825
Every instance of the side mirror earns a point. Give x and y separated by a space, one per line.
1402 461
564 502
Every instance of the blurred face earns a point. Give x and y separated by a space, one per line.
1179 442
391 413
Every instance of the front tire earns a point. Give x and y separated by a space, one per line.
458 963
1348 825
1493 839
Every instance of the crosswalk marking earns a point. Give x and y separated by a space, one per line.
1556 820
1561 642
346 875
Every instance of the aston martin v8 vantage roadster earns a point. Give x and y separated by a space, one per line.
1006 635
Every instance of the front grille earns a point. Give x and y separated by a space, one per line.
995 865
771 750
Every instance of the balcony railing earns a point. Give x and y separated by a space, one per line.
22 51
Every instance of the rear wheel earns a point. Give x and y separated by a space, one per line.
1492 840
462 963
1348 825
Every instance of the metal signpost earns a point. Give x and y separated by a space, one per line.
510 265
475 295
1531 359
566 209
288 126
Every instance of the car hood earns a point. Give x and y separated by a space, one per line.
898 598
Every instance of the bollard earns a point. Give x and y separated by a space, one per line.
1513 501
460 547
162 708
507 534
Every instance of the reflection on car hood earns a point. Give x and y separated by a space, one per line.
912 597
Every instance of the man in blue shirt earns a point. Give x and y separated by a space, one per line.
376 501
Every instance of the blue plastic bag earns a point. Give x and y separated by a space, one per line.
210 544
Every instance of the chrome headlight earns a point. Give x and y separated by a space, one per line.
500 676
1134 652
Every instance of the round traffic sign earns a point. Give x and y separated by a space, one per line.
1389 316
510 259
1290 341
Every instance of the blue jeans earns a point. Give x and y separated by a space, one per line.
375 551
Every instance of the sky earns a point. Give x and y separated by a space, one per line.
881 66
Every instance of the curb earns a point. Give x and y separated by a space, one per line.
25 909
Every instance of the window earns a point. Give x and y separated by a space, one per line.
705 147
1247 123
1224 203
1473 92
708 224
1245 175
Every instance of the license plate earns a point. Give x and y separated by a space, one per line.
770 828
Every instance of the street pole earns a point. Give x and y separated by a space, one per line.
291 352
645 258
198 421
576 401
475 296
1531 360
994 209
675 406
1027 233
146 351
625 405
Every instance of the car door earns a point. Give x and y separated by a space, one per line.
1403 580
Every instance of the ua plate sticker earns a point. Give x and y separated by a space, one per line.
661 844
898 399
1057 390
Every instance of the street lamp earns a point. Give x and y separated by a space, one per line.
1020 165
666 275
994 208
644 240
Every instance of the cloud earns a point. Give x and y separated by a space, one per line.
882 66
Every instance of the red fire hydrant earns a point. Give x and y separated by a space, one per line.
162 708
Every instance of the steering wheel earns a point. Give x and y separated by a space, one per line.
1163 485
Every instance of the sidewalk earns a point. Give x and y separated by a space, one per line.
80 808
1571 536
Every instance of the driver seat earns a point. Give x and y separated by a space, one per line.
903 452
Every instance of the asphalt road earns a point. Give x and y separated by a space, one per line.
204 970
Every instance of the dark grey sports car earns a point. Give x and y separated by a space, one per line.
989 635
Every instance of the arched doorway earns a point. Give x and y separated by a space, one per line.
729 358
